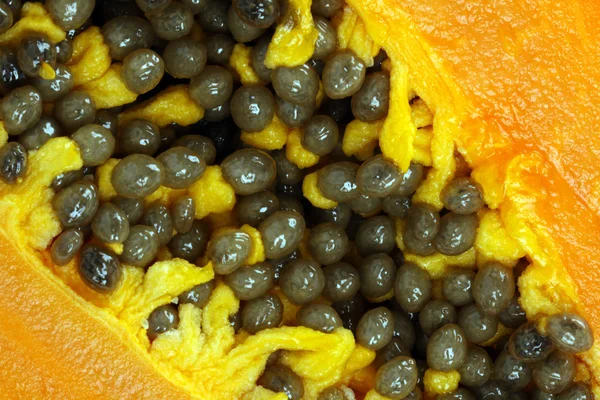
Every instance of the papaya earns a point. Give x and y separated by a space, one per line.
500 98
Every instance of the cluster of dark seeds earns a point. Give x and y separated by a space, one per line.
410 332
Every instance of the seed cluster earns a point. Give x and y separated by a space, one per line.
350 258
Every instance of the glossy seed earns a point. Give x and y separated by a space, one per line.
249 171
397 378
457 233
342 282
66 246
463 196
228 251
198 295
45 129
493 288
183 211
139 136
70 14
320 135
159 217
302 281
375 328
281 379
74 110
137 176
377 275
527 344
327 243
376 235
133 208
191 244
447 348
319 317
252 108
182 167
21 109
110 224
13 162
255 208
511 372
252 281
436 314
343 75
262 313
161 320
142 70
184 57
99 268
477 368
412 288
96 144
570 332
141 246
555 373
477 326
76 205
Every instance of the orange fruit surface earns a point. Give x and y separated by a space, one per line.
514 84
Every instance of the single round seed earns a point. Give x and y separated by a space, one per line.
159 217
378 177
21 109
184 57
513 316
298 85
326 8
74 110
577 391
262 313
137 176
281 379
377 275
174 22
219 48
416 246
249 171
493 288
183 211
212 87
411 179
191 244
125 34
327 243
259 52
319 317
376 235
252 108
70 14
240 30
457 287
203 146
436 314
293 115
528 345
302 281
66 246
13 162
463 196
555 373
96 144
99 268
511 372
412 288
326 39
337 181
198 295
162 319
139 136
447 348
142 70
255 208
257 13
477 326
214 17
182 167
396 206
570 332
343 75
320 135
252 281
110 224
372 100
477 368
397 378
34 52
456 234
376 328
76 205
423 222
141 246
342 282
404 329
229 251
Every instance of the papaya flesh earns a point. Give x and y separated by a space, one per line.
511 86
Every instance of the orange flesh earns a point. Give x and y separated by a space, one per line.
520 82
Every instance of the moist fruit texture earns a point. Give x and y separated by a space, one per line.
268 199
